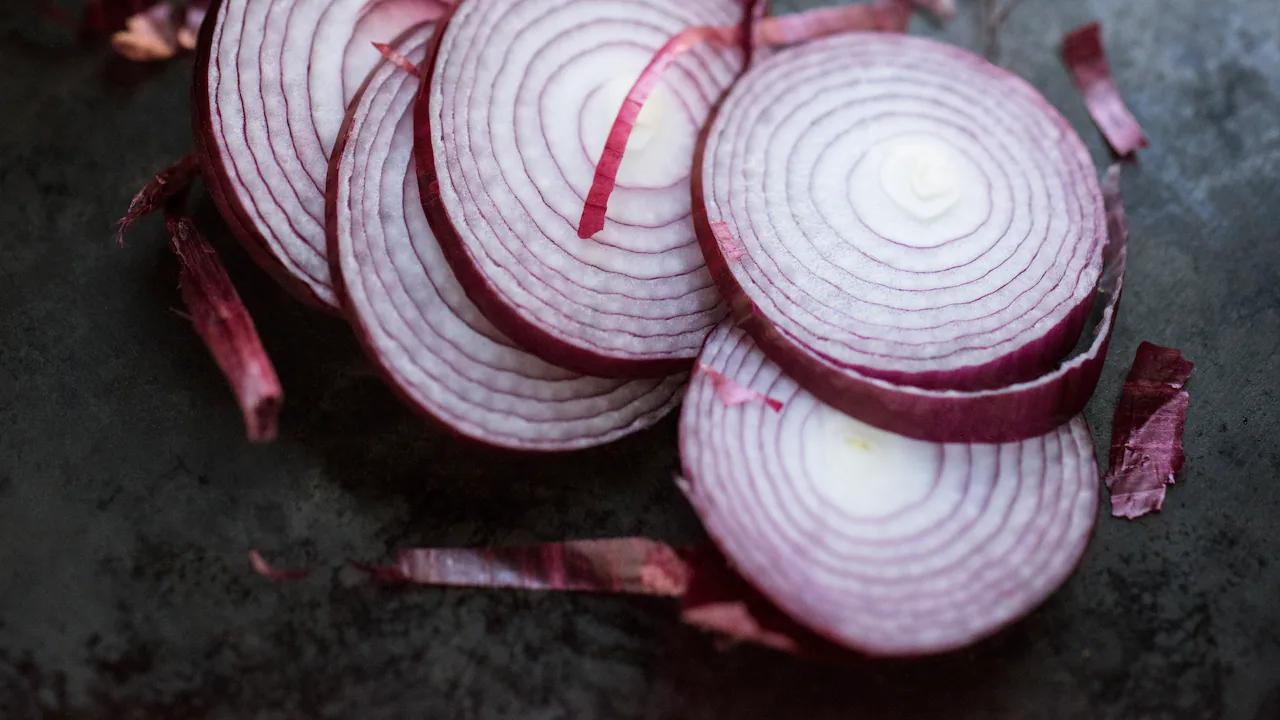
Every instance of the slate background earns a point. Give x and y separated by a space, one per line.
128 497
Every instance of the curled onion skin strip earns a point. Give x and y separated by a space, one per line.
1021 406
272 79
519 96
880 543
413 317
1085 57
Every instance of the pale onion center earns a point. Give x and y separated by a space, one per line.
866 471
650 156
921 175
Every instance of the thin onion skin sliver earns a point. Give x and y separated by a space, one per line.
636 566
1146 432
412 316
713 598
1085 57
635 301
163 188
221 320
1007 412
264 168
944 564
273 573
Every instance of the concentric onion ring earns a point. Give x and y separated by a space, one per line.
903 210
272 82
414 318
885 544
519 99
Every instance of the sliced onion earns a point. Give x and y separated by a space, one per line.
905 210
885 544
413 316
520 98
272 82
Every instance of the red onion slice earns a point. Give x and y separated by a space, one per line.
888 545
520 98
414 317
904 210
272 82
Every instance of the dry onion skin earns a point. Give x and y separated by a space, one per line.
877 542
518 101
272 83
913 233
414 318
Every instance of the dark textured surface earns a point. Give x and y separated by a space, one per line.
128 497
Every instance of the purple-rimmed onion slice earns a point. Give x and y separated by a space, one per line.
878 542
519 99
413 316
906 210
272 83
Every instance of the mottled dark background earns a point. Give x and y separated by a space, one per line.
128 496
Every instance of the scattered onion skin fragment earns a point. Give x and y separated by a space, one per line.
272 81
876 542
1015 404
1146 432
633 566
221 320
413 317
163 188
504 197
273 573
149 36
1085 57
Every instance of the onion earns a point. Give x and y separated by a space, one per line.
272 82
1084 56
519 100
878 542
908 247
414 318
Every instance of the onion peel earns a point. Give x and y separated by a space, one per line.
221 320
159 191
1086 59
1146 432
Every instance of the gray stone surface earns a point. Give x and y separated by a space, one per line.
128 497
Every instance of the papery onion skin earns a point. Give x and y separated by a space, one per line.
1008 410
949 544
413 318
618 315
284 234
1146 431
1086 59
